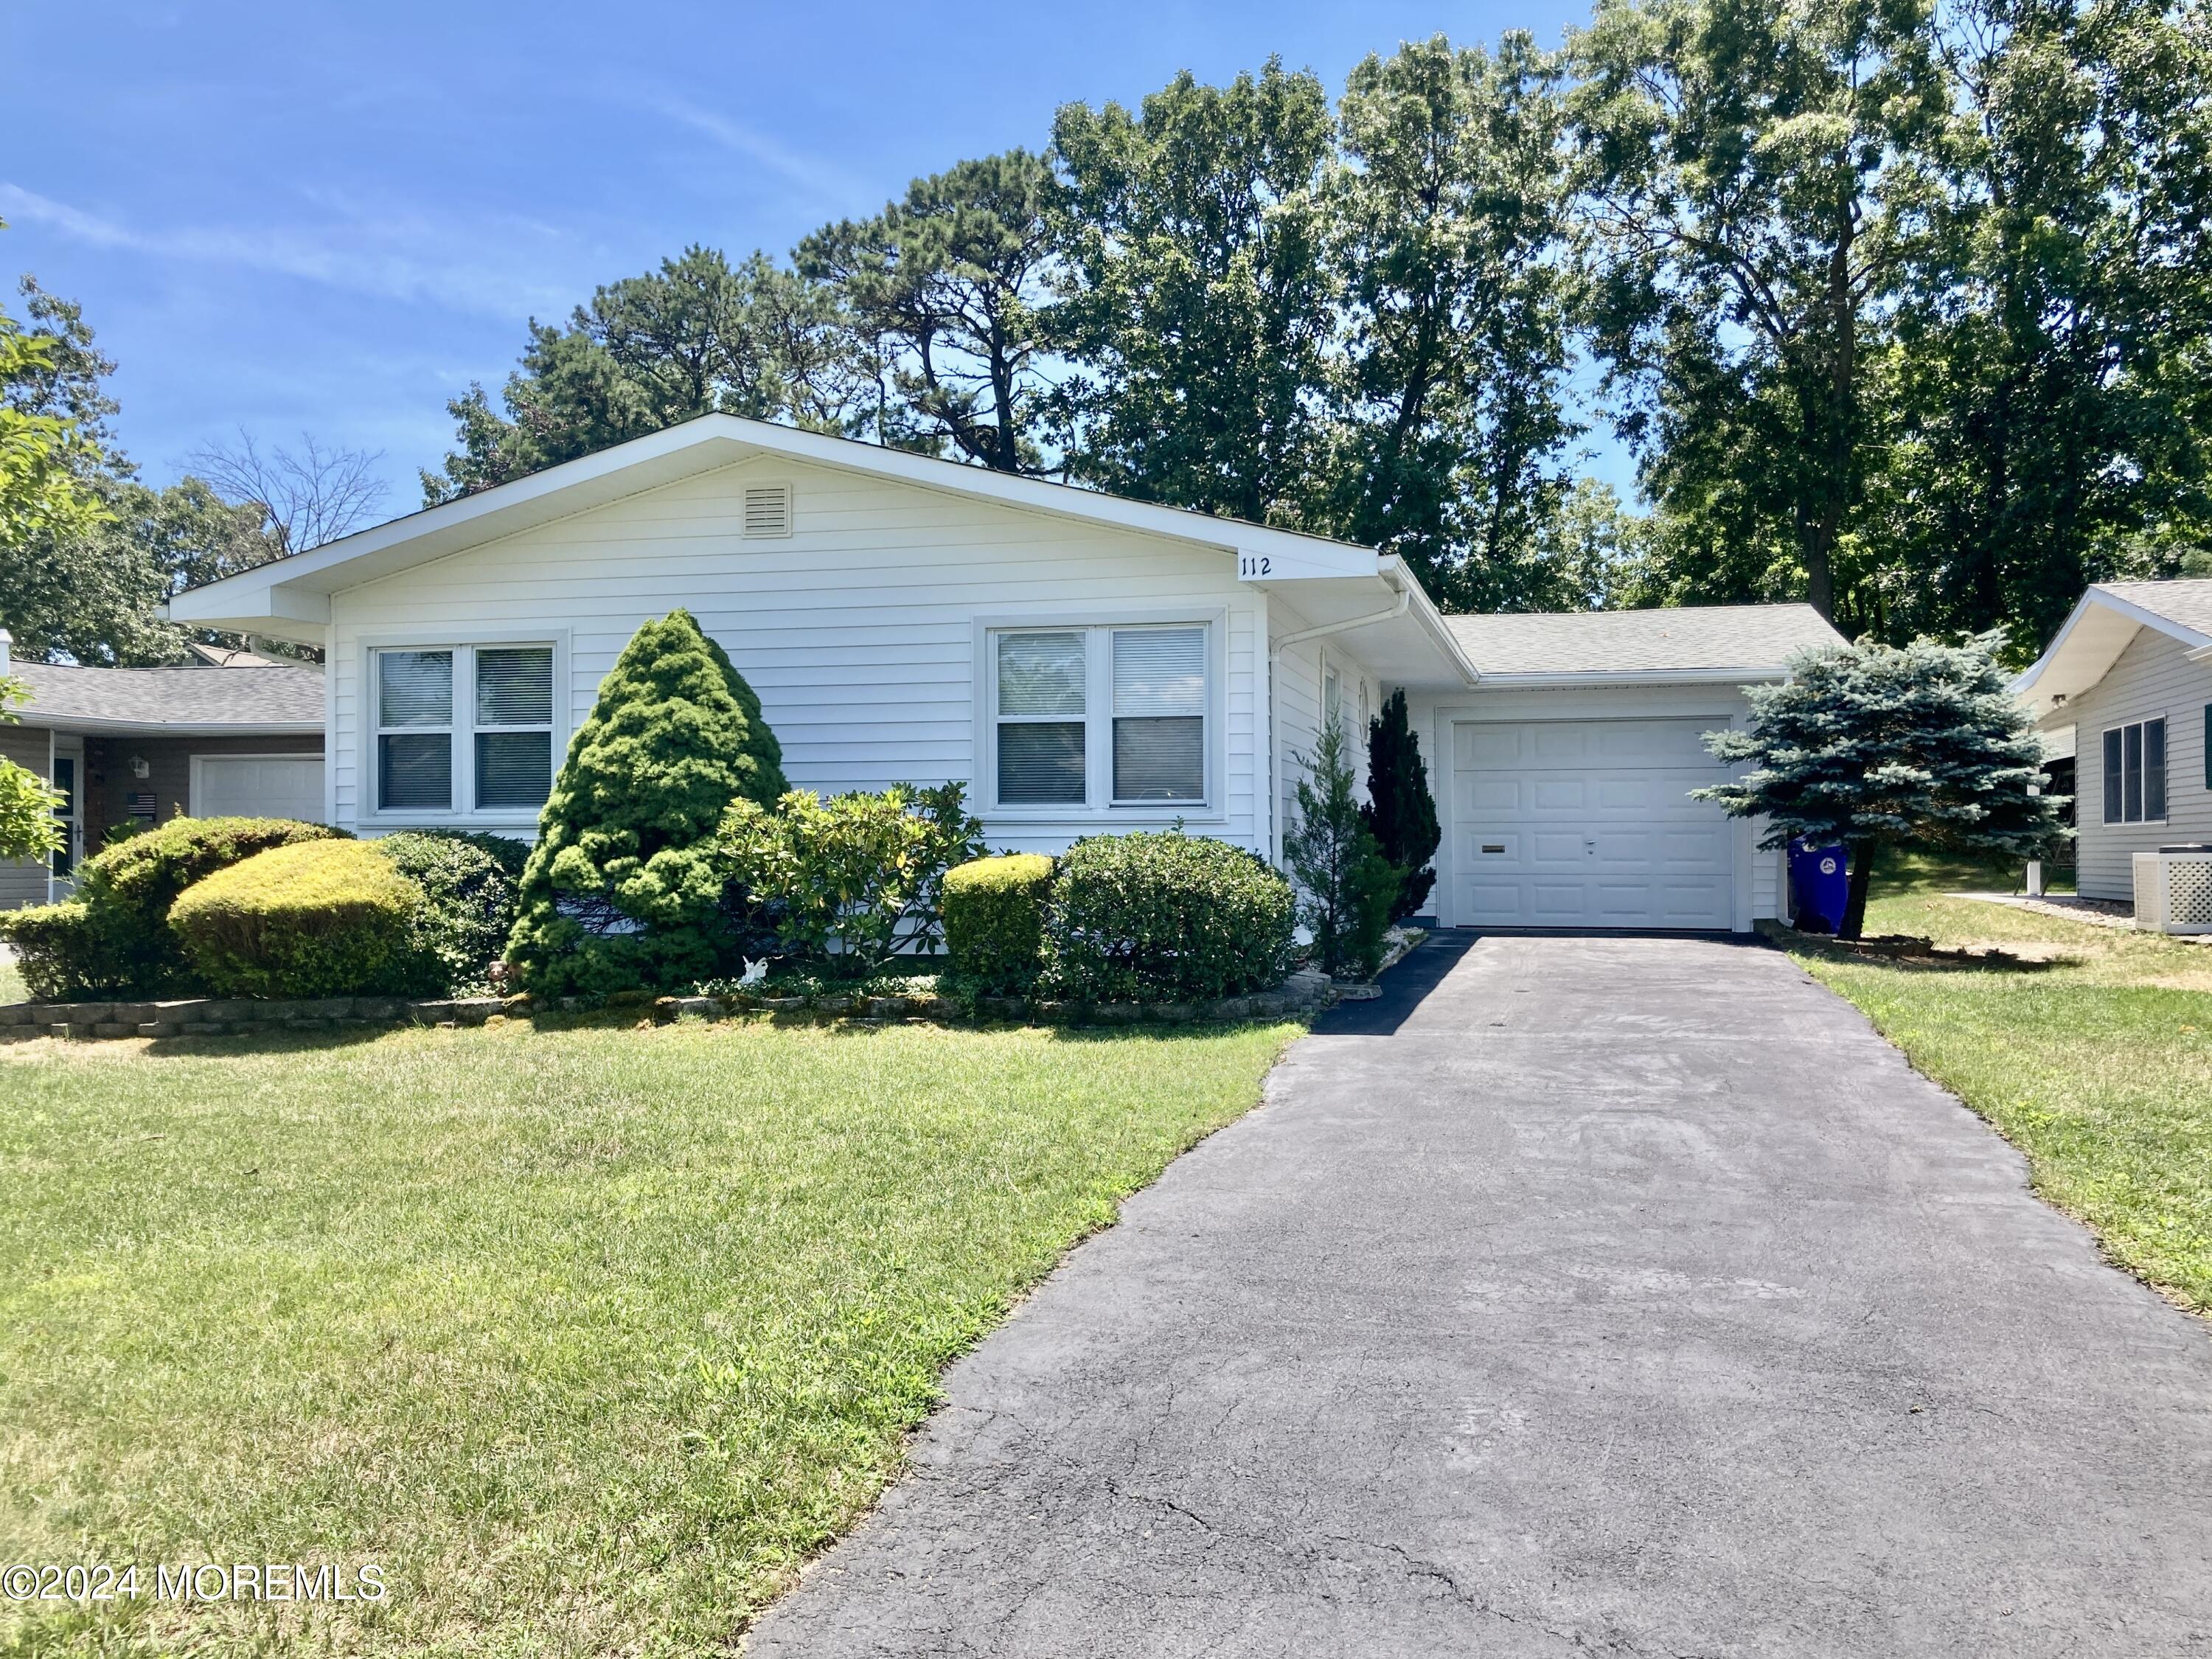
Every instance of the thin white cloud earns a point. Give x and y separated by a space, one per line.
822 178
386 256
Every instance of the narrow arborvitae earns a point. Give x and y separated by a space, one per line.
1400 812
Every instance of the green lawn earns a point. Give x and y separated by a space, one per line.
585 1337
12 988
2096 1062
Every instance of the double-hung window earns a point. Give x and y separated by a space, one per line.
463 729
2135 773
1100 716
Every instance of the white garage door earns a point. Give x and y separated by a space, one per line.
257 786
1588 823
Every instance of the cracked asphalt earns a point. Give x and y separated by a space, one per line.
1590 1296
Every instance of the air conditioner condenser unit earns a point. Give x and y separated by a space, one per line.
2174 889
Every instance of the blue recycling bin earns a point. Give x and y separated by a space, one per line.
1819 885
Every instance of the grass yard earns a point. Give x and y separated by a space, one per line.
2096 1062
12 988
586 1337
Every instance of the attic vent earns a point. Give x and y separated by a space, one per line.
768 511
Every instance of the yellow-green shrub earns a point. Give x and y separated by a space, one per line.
995 918
318 919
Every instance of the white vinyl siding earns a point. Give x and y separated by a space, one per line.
861 631
2151 680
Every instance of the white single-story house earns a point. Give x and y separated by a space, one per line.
236 733
1085 662
2125 689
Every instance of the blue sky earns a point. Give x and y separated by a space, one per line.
332 218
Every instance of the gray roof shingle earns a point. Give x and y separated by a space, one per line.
184 699
2186 600
1722 636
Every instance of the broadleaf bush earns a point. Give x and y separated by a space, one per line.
849 883
1160 916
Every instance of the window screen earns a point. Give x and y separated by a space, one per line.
415 737
1043 697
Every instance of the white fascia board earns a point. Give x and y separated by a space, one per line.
707 444
90 726
2199 645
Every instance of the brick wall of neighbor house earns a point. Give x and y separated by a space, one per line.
23 881
110 783
2153 677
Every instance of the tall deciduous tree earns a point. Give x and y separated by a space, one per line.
2051 366
1756 178
1197 306
1448 223
947 282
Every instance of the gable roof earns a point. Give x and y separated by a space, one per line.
200 702
2104 623
296 590
1721 641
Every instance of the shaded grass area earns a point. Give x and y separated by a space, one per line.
585 1337
2096 1061
12 988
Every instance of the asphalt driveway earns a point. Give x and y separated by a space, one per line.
1615 1297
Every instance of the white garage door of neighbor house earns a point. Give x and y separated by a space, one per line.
257 786
1588 823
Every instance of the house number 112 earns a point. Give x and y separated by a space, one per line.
1252 565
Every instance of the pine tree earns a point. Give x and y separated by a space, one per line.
1400 813
624 889
1347 884
1877 745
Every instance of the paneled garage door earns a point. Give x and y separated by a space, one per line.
257 786
1588 823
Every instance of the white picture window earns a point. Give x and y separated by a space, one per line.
463 729
1098 716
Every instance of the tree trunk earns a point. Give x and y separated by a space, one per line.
1853 925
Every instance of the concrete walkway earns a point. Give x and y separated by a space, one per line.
1615 1297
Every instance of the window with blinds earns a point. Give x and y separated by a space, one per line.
1086 717
2135 773
463 729
1159 714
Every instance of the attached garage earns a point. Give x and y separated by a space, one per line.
1567 772
257 786
1588 823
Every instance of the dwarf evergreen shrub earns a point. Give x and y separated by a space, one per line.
318 919
1400 812
625 889
468 909
122 943
1346 884
994 919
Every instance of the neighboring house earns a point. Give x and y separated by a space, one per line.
1084 662
143 745
2125 689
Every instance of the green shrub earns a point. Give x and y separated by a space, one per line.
1400 813
1156 917
994 919
849 883
468 909
332 918
124 944
1346 885
625 889
64 950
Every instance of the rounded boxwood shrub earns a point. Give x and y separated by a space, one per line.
468 883
995 918
1165 917
321 919
116 939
